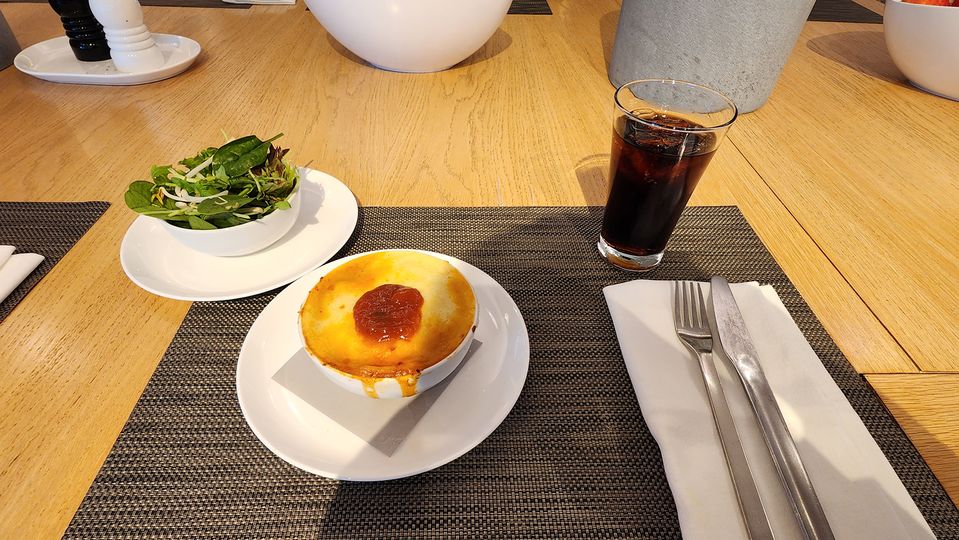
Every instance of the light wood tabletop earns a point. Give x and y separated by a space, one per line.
849 175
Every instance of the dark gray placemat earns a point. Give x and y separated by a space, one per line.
574 459
49 229
530 7
843 11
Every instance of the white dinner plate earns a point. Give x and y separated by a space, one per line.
313 424
158 263
53 60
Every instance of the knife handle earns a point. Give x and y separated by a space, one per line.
805 502
750 504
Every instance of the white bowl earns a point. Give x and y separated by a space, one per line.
924 44
389 387
411 35
241 239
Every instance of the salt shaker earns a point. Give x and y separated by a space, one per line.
131 45
85 33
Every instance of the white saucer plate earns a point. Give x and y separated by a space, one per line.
311 423
155 261
53 60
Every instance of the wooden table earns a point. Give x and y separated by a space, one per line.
849 175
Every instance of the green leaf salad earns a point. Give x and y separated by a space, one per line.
241 181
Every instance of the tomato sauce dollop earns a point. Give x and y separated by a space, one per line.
388 312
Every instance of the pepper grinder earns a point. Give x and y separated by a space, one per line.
85 33
131 45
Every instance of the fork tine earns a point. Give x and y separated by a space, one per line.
684 303
688 303
703 319
693 308
677 302
684 314
691 302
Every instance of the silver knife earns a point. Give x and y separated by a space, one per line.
738 347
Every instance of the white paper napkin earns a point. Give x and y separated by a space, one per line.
860 493
15 268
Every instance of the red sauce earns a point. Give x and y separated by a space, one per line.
389 312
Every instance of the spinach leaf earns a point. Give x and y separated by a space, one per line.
199 224
160 212
139 195
227 220
176 218
204 154
207 187
235 149
159 173
237 157
219 205
183 224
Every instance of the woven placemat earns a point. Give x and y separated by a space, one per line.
49 229
530 7
574 458
843 11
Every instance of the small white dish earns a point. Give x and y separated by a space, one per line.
391 387
923 42
310 422
242 239
53 60
158 263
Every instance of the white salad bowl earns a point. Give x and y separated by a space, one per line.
240 239
923 42
415 36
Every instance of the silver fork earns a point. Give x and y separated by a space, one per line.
692 327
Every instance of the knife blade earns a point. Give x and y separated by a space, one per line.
736 343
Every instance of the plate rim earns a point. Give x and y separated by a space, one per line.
219 298
525 353
111 79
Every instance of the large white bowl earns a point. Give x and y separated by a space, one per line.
924 43
411 35
241 239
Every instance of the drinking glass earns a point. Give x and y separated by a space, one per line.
665 132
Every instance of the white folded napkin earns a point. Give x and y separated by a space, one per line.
5 253
265 2
860 493
15 268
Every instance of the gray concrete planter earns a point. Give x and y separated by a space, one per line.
738 47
